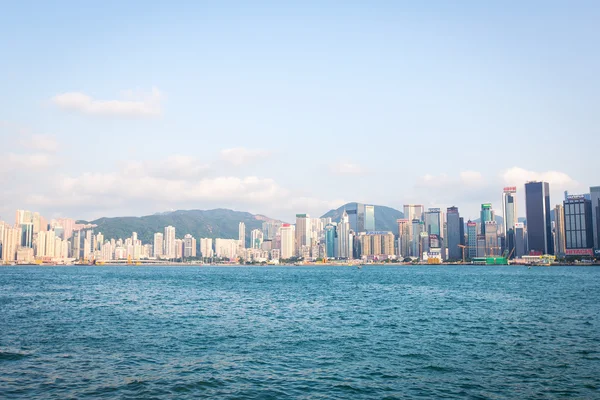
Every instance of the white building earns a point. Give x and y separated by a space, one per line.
287 241
169 240
206 247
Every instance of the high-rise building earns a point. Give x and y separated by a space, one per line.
520 240
454 229
413 211
537 212
158 245
189 246
559 230
433 222
206 247
303 231
256 239
374 243
170 251
10 243
487 214
356 216
50 247
288 249
343 232
509 208
331 240
491 239
242 235
472 239
369 218
579 231
404 228
27 234
418 227
595 199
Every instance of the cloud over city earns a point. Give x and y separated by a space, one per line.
131 104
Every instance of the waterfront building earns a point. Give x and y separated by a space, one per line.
579 231
40 250
50 244
256 239
242 235
537 212
158 245
481 250
486 214
559 231
303 231
491 239
343 232
376 245
454 233
288 249
404 228
356 216
509 208
595 202
418 227
169 242
331 240
472 239
413 211
189 246
10 244
26 235
369 218
206 247
520 240
226 248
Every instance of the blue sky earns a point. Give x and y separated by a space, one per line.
283 107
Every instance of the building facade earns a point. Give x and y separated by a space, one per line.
579 231
537 212
454 231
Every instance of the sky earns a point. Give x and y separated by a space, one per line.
130 108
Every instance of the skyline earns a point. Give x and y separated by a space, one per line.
133 109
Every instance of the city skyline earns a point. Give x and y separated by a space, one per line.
228 106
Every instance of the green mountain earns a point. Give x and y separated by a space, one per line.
219 223
385 217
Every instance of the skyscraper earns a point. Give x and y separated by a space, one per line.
189 246
472 238
487 214
206 247
559 230
579 231
433 222
356 216
303 232
453 240
256 239
169 240
369 218
158 245
595 198
491 239
343 231
537 212
330 240
404 228
287 241
520 245
242 235
509 208
418 227
413 211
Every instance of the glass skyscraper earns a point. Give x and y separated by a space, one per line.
369 218
537 212
454 230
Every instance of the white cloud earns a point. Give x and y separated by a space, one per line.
471 177
28 161
519 176
133 105
45 143
241 155
347 168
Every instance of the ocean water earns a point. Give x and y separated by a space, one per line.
299 332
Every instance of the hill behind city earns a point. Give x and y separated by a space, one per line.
385 217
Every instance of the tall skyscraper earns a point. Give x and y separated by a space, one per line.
559 230
10 243
520 244
158 245
454 229
242 235
256 238
487 214
509 208
472 239
331 240
169 239
343 231
418 227
579 231
27 234
356 216
287 241
491 239
595 198
413 211
537 212
369 218
303 232
189 246
404 228
433 222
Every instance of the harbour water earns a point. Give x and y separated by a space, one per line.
299 332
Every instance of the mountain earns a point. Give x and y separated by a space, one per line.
385 217
220 223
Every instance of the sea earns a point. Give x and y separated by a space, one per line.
376 332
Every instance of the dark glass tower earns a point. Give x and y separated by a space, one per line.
537 212
454 232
